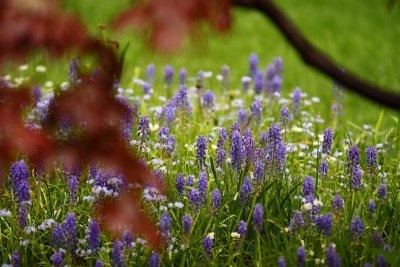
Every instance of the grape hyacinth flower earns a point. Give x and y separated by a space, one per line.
256 109
225 76
371 206
284 117
70 232
236 151
154 260
195 199
276 85
246 82
278 66
57 259
382 191
332 258
248 143
168 75
181 100
380 261
180 183
327 141
36 94
146 88
301 257
189 184
93 236
258 217
19 175
258 169
165 225
376 239
235 127
73 185
209 99
323 168
58 236
222 137
245 191
253 65
356 176
281 262
353 157
151 73
308 187
16 259
216 199
221 156
168 113
187 223
296 222
296 101
338 203
99 263
117 254
324 223
203 185
258 82
356 228
242 229
182 76
201 151
144 129
207 245
242 117
127 239
371 157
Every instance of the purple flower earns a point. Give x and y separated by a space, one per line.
207 245
278 64
209 99
376 239
189 184
150 73
180 183
371 206
36 94
281 262
216 199
70 232
73 74
296 101
242 229
258 82
221 156
353 157
16 259
371 157
144 129
57 259
382 191
94 236
338 203
154 260
367 264
73 184
169 113
181 100
296 222
308 188
284 115
127 118
356 228
195 199
19 175
246 83
165 225
332 258
182 76
356 178
117 254
187 223
263 138
58 236
258 217
245 191
380 261
248 143
225 76
236 151
201 150
301 257
276 84
163 135
146 88
168 74
242 117
256 109
323 168
258 169
222 137
99 263
235 127
203 185
324 223
327 141
127 239
253 65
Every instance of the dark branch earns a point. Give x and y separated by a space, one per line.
317 59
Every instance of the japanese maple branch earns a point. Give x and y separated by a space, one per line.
317 59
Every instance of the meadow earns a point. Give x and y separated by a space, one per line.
266 163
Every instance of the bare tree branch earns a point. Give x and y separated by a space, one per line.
317 59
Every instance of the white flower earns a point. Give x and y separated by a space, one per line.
307 206
178 205
23 67
211 235
49 84
238 103
219 77
315 99
318 202
207 74
235 235
41 68
5 213
29 229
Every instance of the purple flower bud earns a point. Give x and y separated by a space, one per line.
236 151
296 101
323 168
201 150
222 137
163 135
284 115
301 257
165 225
371 157
94 236
154 260
19 175
253 65
16 259
324 223
242 229
70 232
356 176
209 99
182 76
276 85
248 143
353 157
308 187
168 74
189 184
180 183
356 228
203 185
216 199
181 100
207 245
242 117
278 64
256 109
144 128
258 82
382 191
187 223
117 254
258 169
281 262
338 203
327 141
258 217
73 185
58 237
151 73
195 199
57 259
263 138
246 83
371 206
332 258
235 127
245 191
296 222
169 114
146 88
221 156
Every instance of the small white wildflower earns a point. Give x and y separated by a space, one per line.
235 235
154 127
318 202
178 205
24 243
170 205
157 161
41 68
162 98
5 213
238 103
29 229
311 253
317 261
211 235
315 99
207 74
163 208
307 206
23 67
49 84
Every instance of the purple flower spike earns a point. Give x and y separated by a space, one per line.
146 88
201 150
276 85
57 259
144 128
253 65
99 263
327 141
356 178
16 259
301 257
245 191
382 191
117 254
36 94
256 109
182 76
353 157
70 232
195 199
248 143
151 73
168 74
209 99
180 183
216 199
58 237
323 168
296 101
281 262
371 157
324 223
258 217
356 228
338 203
203 185
165 225
242 229
236 151
94 236
181 100
225 76
308 187
332 258
242 117
278 64
258 82
207 245
284 115
187 223
154 260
